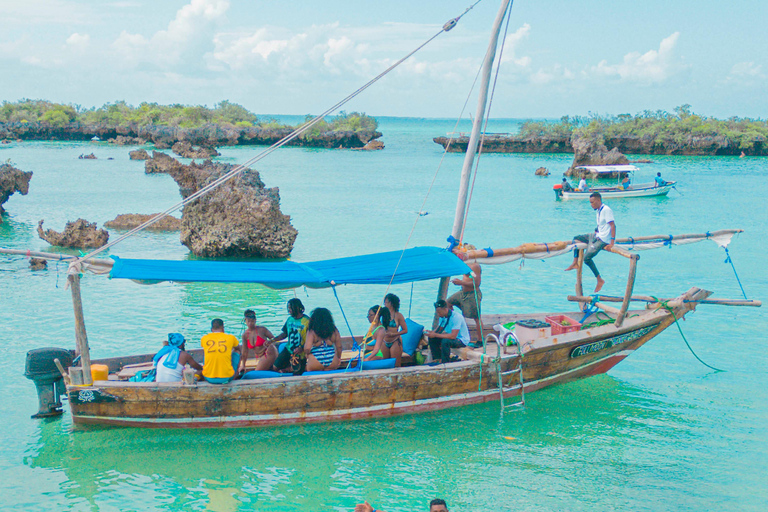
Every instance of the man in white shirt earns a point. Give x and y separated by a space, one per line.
603 237
582 185
452 332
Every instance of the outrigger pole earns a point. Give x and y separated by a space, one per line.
474 138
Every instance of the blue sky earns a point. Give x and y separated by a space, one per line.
299 57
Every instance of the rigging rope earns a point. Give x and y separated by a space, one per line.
729 260
664 304
293 135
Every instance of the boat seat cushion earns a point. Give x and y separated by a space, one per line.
379 364
326 372
412 337
253 374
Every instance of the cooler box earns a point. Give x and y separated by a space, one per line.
562 324
529 330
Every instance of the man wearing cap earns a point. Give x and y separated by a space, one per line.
451 332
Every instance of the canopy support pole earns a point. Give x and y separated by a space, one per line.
81 337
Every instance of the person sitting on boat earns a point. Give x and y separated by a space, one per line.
603 237
259 339
567 186
323 345
222 354
451 332
172 359
292 357
379 317
583 187
395 328
468 299
660 182
625 183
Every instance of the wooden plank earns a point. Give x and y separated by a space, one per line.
81 336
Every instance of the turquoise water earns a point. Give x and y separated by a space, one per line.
658 432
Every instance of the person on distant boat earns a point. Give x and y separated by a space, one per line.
625 183
259 339
222 354
583 187
323 345
292 357
660 182
374 340
603 237
395 328
451 332
468 300
172 359
436 505
567 186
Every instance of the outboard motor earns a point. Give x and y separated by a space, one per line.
48 380
558 190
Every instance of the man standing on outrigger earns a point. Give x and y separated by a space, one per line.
603 237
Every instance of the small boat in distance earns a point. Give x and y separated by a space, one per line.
620 172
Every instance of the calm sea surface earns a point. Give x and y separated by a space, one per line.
658 432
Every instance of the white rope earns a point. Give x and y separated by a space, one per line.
293 135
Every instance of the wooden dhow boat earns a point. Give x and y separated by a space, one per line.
540 357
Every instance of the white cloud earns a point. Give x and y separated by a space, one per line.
78 40
747 70
654 66
190 33
511 47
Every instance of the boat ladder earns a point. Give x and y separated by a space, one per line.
506 378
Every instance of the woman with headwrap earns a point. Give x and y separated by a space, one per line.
172 359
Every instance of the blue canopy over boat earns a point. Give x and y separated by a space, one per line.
417 264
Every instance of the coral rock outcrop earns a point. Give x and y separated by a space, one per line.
187 150
128 221
12 180
592 151
239 218
139 154
542 171
79 233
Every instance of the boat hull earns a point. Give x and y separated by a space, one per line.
640 191
359 395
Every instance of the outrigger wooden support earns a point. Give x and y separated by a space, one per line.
657 301
630 286
579 270
81 337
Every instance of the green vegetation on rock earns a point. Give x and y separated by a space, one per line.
658 129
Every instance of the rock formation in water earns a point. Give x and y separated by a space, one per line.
591 150
187 150
122 140
38 264
87 157
373 145
12 180
138 154
542 171
240 218
80 234
128 221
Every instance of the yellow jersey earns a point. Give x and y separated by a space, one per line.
218 355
